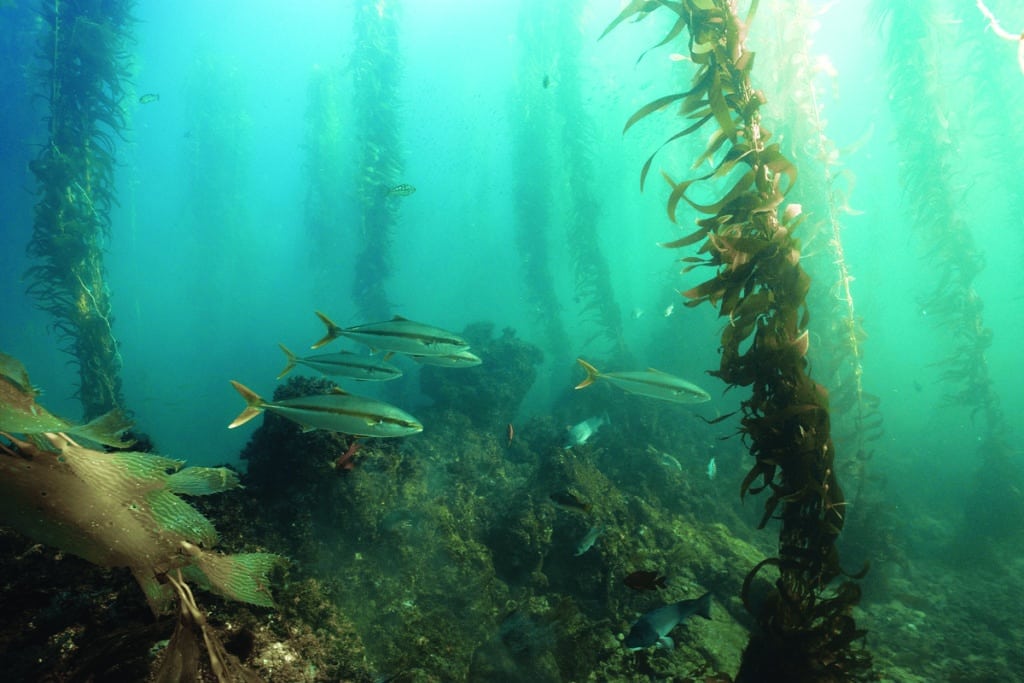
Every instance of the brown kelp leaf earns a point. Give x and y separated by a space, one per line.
686 131
634 7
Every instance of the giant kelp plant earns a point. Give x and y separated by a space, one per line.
921 109
376 69
823 198
323 211
532 160
806 631
82 49
591 271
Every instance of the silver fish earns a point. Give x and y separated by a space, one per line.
652 383
653 628
580 433
397 335
588 540
343 364
337 412
462 359
712 468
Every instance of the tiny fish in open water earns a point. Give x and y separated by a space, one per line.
149 98
403 190
712 468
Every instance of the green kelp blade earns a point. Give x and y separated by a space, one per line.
244 577
203 481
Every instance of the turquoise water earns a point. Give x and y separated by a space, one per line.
211 259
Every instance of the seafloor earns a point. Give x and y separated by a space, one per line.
442 557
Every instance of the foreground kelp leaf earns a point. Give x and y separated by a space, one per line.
116 510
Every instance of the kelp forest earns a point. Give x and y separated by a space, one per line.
415 342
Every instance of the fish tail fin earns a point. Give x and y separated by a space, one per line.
333 331
592 373
704 606
106 429
254 404
291 361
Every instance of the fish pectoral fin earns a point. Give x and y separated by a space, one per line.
307 428
339 390
666 643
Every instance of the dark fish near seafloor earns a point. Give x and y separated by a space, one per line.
653 628
645 581
570 500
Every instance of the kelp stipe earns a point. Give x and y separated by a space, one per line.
82 49
326 161
806 631
533 170
823 198
376 69
600 310
921 106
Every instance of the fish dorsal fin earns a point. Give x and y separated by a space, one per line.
656 371
399 318
339 390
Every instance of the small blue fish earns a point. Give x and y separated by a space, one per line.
712 469
587 542
653 628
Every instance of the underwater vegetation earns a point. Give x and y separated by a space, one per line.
806 631
376 69
944 231
83 53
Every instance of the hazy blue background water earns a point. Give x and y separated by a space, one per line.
196 307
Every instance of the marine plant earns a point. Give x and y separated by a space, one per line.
376 68
325 163
823 198
124 509
591 271
83 52
532 164
920 105
806 631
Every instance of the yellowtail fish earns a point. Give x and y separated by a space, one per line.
403 190
398 335
462 359
20 414
651 383
337 412
149 98
344 364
